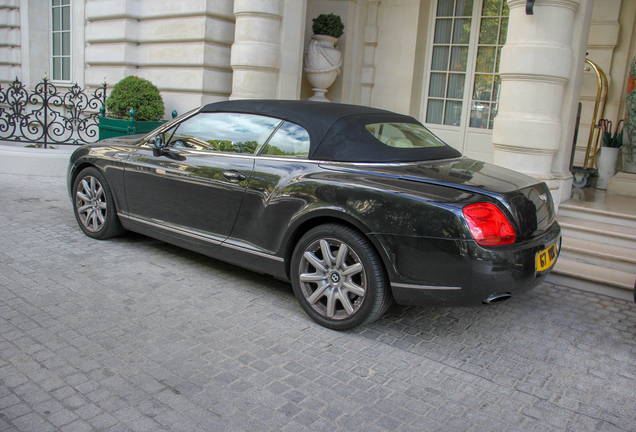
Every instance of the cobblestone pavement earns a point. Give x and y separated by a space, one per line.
134 334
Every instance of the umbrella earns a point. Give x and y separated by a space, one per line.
610 140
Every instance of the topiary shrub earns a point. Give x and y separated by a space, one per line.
328 24
135 93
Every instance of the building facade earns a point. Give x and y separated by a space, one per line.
494 81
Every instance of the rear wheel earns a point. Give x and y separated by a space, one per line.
94 206
338 277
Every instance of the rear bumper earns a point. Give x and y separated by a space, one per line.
461 273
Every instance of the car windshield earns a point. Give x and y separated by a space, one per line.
404 135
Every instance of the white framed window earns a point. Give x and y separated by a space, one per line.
61 59
464 82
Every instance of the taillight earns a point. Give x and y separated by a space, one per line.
488 225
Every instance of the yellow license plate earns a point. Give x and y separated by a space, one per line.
546 258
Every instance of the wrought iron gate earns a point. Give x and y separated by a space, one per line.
46 115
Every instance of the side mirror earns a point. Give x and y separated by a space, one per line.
159 141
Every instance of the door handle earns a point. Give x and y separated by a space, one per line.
233 176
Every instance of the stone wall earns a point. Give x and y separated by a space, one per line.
10 56
183 47
610 45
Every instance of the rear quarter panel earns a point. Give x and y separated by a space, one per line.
284 199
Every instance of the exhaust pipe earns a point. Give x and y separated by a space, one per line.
497 298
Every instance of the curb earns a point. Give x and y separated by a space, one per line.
35 161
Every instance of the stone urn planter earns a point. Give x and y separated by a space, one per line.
322 65
322 58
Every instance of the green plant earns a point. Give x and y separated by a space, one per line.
135 93
328 24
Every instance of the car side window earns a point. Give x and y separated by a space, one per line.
290 140
223 132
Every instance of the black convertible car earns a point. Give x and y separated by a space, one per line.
357 207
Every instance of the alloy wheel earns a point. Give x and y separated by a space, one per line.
91 204
332 278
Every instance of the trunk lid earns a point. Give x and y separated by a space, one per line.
527 200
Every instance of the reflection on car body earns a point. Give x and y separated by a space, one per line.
357 207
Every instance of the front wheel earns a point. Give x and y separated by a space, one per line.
94 206
338 277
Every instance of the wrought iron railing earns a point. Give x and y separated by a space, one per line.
46 115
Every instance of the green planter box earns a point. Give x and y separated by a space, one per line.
110 128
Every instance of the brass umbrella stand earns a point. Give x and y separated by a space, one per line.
583 174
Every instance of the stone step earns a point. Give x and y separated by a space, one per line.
575 209
589 277
599 232
623 184
600 254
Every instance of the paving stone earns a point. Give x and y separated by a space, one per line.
132 334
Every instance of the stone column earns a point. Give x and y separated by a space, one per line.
256 52
537 63
370 44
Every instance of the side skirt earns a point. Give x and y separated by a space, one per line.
231 253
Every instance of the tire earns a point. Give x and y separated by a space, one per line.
94 206
338 277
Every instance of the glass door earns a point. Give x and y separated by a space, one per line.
463 82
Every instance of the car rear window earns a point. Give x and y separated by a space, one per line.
404 135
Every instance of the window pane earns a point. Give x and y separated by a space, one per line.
66 68
459 59
66 18
57 68
479 114
489 31
453 113
434 111
440 58
56 19
461 33
66 43
445 8
503 31
496 88
464 8
483 87
491 8
56 2
438 85
456 86
493 29
485 59
443 28
290 140
65 2
56 44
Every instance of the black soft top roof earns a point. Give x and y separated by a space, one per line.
337 131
